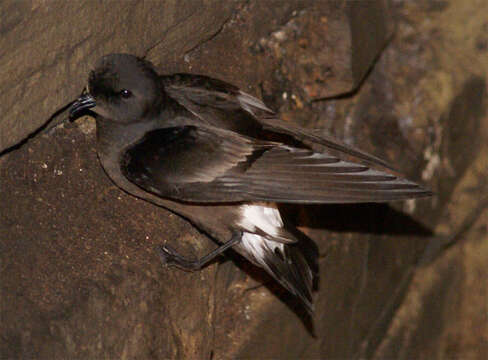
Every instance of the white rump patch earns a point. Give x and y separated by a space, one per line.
258 246
260 220
265 217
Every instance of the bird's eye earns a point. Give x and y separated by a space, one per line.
125 93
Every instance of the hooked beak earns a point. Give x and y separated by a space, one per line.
85 101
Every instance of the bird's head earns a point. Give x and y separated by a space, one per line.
122 88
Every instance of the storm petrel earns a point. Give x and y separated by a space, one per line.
221 158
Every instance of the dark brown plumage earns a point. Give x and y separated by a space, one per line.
221 158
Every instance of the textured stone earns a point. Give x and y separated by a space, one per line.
79 277
49 46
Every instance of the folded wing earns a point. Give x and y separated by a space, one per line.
210 165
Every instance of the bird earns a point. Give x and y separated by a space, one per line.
219 157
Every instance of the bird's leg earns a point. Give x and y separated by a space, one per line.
171 258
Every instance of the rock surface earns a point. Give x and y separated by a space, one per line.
49 46
79 275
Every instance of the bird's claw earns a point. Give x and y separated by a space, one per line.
169 256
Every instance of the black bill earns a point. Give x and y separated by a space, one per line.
85 101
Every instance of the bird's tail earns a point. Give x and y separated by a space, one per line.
287 263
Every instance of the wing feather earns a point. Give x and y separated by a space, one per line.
240 151
207 165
